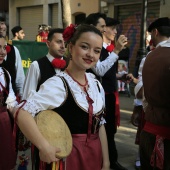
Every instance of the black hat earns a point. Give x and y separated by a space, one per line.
165 21
16 29
111 21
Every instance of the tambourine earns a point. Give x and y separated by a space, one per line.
55 131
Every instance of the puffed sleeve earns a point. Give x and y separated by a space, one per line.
51 94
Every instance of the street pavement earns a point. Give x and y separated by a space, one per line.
125 135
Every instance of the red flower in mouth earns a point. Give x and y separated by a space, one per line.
8 48
110 48
68 32
58 63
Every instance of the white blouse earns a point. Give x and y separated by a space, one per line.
52 94
33 76
11 99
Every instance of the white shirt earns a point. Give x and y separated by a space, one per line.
102 67
20 76
11 99
33 77
52 94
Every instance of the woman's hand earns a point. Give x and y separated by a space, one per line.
48 153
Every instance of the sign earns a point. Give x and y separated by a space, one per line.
30 51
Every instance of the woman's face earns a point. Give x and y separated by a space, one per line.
2 49
86 51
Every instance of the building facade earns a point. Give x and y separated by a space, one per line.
31 13
129 13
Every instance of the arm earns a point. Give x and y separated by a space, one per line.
20 76
28 126
31 80
102 67
103 139
38 101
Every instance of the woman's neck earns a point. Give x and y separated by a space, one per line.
78 75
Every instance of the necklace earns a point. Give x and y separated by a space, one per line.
83 85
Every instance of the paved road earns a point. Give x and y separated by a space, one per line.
125 135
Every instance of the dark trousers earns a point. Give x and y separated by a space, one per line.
110 126
147 143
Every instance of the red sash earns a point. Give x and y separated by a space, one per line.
161 132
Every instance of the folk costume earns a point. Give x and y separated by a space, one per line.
39 70
105 71
109 83
69 101
12 63
155 151
7 143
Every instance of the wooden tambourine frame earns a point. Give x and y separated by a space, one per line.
55 130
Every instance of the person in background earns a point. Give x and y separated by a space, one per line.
109 83
13 64
7 99
148 39
47 66
18 33
109 56
98 20
78 91
155 136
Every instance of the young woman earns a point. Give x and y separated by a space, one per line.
79 98
7 99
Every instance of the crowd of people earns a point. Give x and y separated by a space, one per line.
78 80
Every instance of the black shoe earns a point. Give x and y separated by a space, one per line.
117 166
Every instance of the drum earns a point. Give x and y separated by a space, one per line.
55 131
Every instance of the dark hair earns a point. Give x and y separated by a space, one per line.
111 22
1 36
94 18
53 31
164 31
15 30
2 19
82 29
164 21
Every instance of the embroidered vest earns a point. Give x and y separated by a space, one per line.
75 116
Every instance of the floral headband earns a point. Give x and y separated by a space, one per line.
68 33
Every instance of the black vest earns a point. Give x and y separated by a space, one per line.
70 110
46 70
4 95
109 81
76 117
9 65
